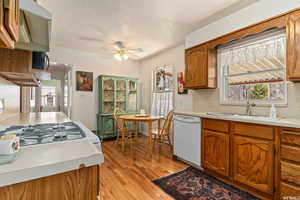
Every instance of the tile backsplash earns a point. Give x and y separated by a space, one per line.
208 101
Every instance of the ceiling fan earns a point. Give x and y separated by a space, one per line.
118 49
123 53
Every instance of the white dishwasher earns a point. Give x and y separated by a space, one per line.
187 139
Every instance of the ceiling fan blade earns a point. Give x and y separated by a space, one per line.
90 39
133 56
138 50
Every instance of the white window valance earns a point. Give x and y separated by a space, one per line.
255 60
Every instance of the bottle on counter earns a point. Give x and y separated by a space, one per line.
273 112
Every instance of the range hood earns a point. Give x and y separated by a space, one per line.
35 27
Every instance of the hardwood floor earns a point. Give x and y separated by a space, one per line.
127 175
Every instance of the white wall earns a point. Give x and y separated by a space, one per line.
255 13
85 104
172 57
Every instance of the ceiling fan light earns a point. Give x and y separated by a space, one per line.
125 56
118 57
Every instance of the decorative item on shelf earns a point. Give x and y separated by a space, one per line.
108 96
84 81
180 83
121 85
108 85
132 86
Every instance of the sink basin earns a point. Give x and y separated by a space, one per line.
242 116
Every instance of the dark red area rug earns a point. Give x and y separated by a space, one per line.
193 184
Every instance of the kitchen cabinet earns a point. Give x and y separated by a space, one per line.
16 67
12 18
200 71
242 154
293 46
216 152
79 184
115 92
290 163
9 23
5 39
253 163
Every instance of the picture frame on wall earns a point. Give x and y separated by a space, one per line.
84 81
180 84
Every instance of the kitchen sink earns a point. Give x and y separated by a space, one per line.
241 116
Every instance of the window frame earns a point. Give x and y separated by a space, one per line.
155 90
223 86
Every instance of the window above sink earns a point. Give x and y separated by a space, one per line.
254 69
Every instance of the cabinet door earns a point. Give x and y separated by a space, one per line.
253 163
293 47
12 15
216 152
5 39
196 67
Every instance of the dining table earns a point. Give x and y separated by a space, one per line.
146 119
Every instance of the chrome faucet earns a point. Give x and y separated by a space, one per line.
249 105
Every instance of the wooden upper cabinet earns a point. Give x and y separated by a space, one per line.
293 47
12 18
253 163
5 39
216 152
200 71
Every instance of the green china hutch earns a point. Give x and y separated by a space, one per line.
115 92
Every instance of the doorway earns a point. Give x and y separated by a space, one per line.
47 97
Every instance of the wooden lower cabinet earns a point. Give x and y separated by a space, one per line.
216 152
290 164
241 154
81 184
253 163
288 190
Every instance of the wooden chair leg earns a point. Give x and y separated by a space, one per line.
154 140
118 137
169 141
136 131
123 140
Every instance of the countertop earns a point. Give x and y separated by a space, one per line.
34 118
49 159
282 122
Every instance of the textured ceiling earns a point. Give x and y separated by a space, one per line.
153 25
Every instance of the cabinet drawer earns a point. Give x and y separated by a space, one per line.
216 125
290 153
291 137
287 190
263 132
290 172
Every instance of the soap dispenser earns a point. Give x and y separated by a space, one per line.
273 112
